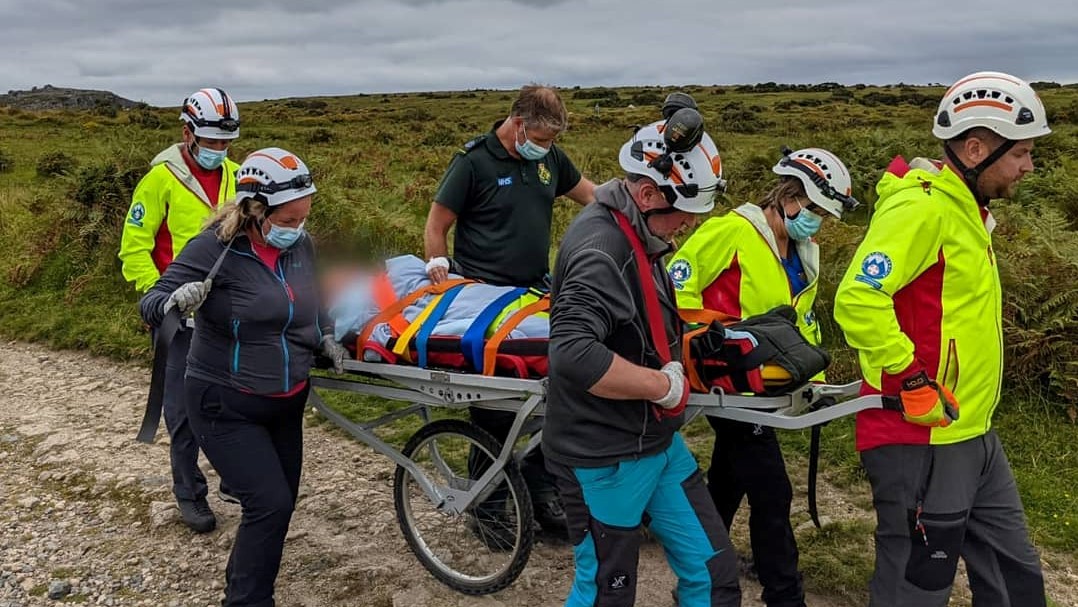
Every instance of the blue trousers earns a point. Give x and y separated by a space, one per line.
605 507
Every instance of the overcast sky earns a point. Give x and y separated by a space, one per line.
158 51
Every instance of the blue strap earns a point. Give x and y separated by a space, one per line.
432 321
475 337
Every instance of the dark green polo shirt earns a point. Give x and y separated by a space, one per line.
504 207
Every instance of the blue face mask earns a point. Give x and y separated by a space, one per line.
530 150
804 225
281 237
210 159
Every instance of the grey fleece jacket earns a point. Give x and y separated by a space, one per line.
598 311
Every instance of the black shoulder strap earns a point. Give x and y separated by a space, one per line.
814 464
171 324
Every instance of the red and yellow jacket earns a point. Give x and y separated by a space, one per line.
731 264
168 208
923 291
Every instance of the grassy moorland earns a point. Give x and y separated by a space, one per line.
66 180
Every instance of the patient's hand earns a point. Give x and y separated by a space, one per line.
438 269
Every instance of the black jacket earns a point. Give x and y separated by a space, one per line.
598 311
258 329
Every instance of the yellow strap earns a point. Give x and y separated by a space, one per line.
401 347
397 308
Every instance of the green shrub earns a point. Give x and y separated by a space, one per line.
6 162
53 164
145 118
320 135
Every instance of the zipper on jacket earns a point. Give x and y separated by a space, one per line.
291 311
951 382
999 377
236 347
284 331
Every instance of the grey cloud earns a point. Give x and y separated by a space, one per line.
160 50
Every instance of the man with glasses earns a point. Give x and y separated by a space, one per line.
185 185
747 262
499 191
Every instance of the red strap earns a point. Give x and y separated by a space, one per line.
647 284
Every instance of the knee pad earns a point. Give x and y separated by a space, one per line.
617 554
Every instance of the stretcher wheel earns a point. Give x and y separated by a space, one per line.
484 549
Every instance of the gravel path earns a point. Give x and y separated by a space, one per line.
86 514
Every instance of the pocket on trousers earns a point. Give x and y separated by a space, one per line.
596 476
617 550
935 542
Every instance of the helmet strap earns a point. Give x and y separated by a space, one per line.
972 175
654 212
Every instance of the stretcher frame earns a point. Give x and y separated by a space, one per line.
428 388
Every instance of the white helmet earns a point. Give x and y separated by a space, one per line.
211 113
688 177
827 181
993 100
273 176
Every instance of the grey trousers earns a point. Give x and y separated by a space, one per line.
935 503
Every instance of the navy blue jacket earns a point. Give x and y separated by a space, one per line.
259 328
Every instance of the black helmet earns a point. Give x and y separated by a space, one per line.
675 102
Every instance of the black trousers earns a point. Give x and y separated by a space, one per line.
747 461
256 445
188 482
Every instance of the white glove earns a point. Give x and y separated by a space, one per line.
189 296
335 352
678 393
437 269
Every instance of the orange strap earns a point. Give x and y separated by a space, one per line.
705 318
490 350
384 297
691 372
398 306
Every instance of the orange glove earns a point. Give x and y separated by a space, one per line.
926 403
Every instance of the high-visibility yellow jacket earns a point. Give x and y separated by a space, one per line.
168 208
923 291
731 264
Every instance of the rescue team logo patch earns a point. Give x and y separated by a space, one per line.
875 268
544 174
504 181
137 213
680 271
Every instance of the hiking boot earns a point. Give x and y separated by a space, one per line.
197 515
551 518
496 532
225 495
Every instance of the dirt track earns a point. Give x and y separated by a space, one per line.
81 502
